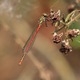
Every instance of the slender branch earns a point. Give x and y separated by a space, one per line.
69 23
59 29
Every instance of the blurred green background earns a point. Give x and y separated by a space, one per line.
44 61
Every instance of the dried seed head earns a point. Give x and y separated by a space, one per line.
51 10
55 16
58 12
57 37
65 47
52 13
73 33
77 32
45 15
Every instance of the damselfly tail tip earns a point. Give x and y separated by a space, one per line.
21 59
20 62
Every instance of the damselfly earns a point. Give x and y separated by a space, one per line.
52 17
31 39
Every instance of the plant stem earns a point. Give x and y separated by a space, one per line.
69 23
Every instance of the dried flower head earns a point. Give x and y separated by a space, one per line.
57 37
73 33
65 47
55 16
45 15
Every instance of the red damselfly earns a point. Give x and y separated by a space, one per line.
31 39
52 17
